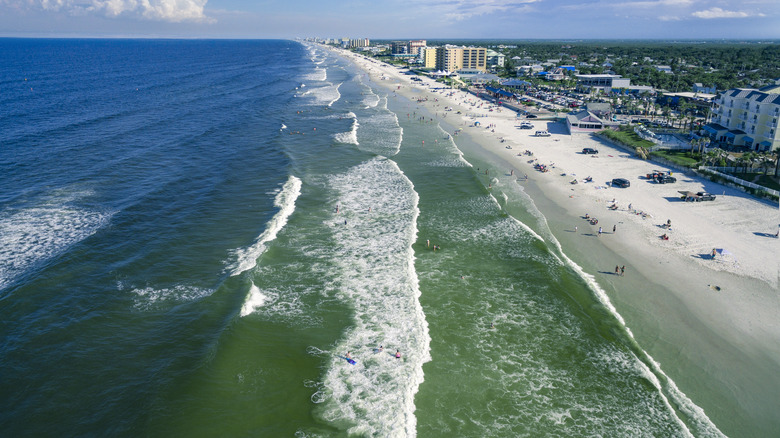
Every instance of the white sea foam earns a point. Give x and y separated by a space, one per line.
148 298
254 300
376 275
319 74
246 258
381 133
325 95
349 137
370 99
31 236
454 160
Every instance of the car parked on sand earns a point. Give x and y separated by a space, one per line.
704 196
696 197
664 179
525 125
542 134
590 151
621 182
530 116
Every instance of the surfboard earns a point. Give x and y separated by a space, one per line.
351 361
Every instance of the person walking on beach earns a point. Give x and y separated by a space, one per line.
622 270
614 228
575 229
617 270
599 231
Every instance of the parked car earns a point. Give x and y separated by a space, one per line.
530 116
664 179
542 134
621 182
590 151
526 126
696 197
704 196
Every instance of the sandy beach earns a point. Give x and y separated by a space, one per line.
719 316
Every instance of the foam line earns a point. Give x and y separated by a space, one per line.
377 275
246 259
650 368
349 137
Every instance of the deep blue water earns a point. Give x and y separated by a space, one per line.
126 166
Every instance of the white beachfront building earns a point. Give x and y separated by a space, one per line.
601 82
747 117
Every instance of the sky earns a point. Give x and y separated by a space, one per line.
394 19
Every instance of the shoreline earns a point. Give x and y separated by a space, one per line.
719 346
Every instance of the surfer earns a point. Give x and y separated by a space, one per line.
348 355
381 349
397 354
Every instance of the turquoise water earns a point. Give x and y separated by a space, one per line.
247 225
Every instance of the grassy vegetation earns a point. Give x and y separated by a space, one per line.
681 158
627 136
767 181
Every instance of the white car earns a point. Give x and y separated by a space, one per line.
542 134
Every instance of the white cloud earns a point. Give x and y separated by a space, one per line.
649 4
164 10
463 9
175 11
721 13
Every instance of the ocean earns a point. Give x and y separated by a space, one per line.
195 235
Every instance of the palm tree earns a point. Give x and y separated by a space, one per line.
747 160
765 160
713 156
739 162
685 108
694 144
701 144
777 161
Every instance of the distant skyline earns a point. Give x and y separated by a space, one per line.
393 19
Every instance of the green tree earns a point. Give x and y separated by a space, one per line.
777 161
714 156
